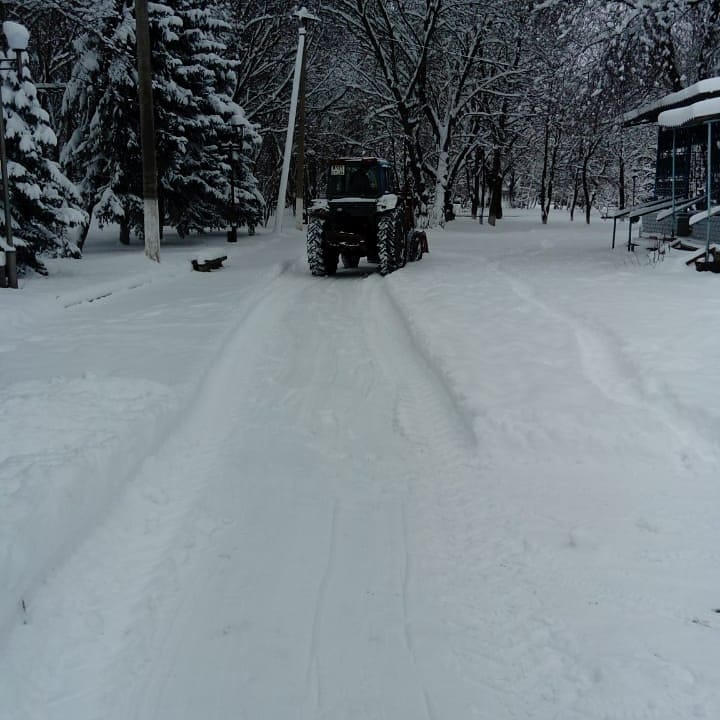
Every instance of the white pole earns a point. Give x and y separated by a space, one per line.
280 211
709 190
300 155
674 217
151 215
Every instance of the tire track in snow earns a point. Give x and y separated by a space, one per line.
442 474
161 428
261 322
405 584
409 641
343 349
424 415
309 363
619 380
158 506
438 428
435 386
320 602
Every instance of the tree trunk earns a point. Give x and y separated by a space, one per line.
161 214
85 229
482 186
441 185
475 195
576 190
470 185
512 185
449 209
495 186
543 176
586 191
622 183
551 179
495 205
420 193
124 231
551 175
82 237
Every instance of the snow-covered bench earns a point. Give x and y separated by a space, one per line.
208 264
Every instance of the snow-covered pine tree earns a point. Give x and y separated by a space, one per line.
201 130
101 108
192 79
45 204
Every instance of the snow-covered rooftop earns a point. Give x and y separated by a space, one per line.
648 113
690 113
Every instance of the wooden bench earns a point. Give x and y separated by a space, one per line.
680 245
651 243
208 264
712 264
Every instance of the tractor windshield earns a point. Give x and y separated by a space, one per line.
354 181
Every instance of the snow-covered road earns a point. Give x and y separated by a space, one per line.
451 493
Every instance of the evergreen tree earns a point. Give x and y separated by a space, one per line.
202 132
195 121
44 202
101 104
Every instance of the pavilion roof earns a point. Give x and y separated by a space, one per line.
691 114
689 96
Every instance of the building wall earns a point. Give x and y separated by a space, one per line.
650 226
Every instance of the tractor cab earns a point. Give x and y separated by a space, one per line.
362 178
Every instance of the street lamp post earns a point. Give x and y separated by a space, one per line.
17 37
232 146
303 15
151 206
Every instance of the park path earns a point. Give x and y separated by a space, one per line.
333 531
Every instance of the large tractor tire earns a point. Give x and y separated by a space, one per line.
390 242
415 250
321 260
314 246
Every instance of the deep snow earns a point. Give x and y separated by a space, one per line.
485 486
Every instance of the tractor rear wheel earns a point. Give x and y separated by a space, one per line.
390 245
314 246
415 251
322 260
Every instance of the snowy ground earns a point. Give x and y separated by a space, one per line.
484 487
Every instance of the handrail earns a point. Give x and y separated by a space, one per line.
678 207
704 214
655 204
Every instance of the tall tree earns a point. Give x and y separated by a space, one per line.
400 36
45 205
196 121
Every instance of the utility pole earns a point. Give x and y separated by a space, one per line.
300 155
303 15
147 133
